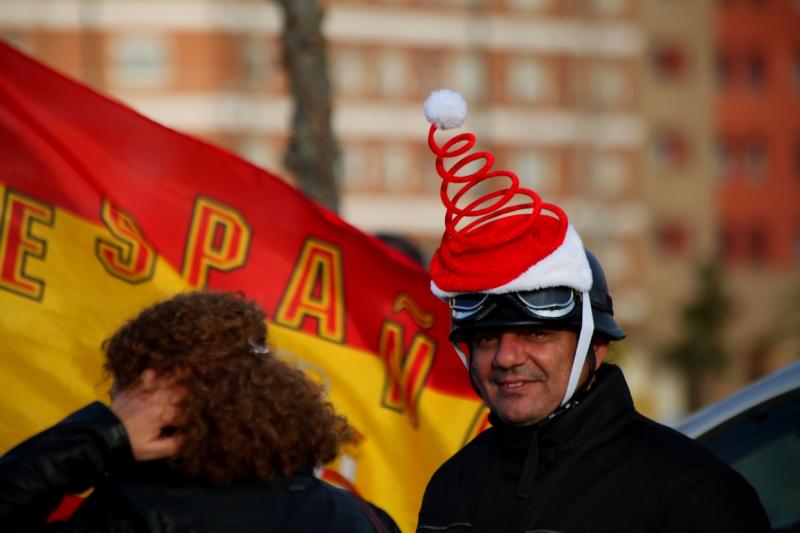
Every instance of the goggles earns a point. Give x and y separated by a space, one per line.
550 303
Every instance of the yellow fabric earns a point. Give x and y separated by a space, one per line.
52 364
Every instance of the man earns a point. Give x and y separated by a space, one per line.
532 320
206 431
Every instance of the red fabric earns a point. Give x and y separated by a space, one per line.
459 270
66 508
67 146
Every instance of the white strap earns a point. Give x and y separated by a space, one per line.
461 355
584 340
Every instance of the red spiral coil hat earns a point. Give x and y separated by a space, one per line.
504 240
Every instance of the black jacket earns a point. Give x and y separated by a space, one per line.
90 449
598 467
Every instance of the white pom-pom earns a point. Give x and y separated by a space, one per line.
446 108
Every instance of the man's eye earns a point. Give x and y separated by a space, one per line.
536 333
486 338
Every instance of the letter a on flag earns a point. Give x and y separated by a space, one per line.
103 212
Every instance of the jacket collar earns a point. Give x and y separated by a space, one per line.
592 418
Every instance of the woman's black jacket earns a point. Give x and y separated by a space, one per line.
90 449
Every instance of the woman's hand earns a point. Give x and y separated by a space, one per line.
149 411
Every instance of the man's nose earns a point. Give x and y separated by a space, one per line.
510 350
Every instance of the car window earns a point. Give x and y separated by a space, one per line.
763 444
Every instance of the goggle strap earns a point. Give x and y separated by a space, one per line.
584 340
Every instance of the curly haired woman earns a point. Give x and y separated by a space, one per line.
206 431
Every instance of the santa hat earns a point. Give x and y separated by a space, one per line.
506 240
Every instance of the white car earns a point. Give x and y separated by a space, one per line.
757 432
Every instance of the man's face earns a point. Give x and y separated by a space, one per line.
522 373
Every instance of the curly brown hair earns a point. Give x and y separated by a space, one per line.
247 415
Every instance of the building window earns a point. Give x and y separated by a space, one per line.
671 151
430 75
723 70
254 54
757 245
724 159
608 85
392 73
469 75
356 168
529 5
796 245
397 169
756 160
796 69
348 71
796 159
141 60
18 40
431 182
533 170
669 61
529 80
607 175
259 152
608 7
673 238
755 74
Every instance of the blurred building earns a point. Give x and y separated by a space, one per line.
602 106
676 179
757 143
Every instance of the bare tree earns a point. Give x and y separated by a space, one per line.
313 153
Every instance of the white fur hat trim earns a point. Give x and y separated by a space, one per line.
567 266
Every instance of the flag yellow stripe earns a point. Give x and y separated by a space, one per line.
52 364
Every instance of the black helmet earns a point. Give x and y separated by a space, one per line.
550 307
602 307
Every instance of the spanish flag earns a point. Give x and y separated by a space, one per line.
104 212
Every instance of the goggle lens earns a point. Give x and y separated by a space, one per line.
555 302
466 305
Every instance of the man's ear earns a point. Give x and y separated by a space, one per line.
600 347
